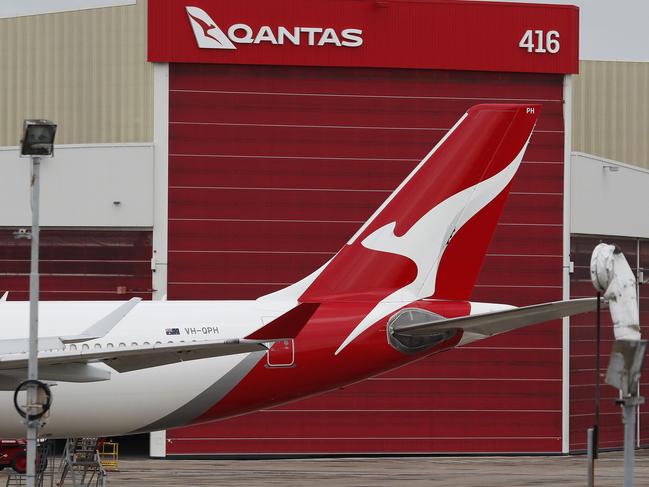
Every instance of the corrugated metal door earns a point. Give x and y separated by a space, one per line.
583 349
644 321
83 264
273 168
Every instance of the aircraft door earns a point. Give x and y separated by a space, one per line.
281 353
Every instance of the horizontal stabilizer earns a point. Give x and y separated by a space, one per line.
286 326
484 325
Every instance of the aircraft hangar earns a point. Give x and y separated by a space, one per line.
223 150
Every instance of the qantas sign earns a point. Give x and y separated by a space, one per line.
210 36
487 36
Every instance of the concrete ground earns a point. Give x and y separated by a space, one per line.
374 472
386 471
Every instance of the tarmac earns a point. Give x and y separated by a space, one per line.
513 471
565 471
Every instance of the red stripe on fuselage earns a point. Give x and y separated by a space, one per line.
316 367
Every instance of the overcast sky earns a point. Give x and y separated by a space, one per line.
20 8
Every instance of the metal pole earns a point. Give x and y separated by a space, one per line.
597 379
638 282
32 366
629 441
590 481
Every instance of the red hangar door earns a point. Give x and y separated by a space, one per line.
273 168
277 154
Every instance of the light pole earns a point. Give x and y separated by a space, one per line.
610 274
37 142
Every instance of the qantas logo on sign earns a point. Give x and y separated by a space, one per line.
210 36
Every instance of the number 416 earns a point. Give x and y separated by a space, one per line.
545 41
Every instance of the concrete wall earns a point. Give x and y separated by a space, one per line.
606 201
85 70
80 185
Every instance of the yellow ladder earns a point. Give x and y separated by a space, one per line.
109 455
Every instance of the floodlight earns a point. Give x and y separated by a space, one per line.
38 138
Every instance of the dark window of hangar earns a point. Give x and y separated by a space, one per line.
78 264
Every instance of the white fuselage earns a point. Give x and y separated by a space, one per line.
131 400
156 397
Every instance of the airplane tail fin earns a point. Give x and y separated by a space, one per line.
429 238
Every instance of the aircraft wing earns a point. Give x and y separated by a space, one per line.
97 330
126 359
479 326
79 365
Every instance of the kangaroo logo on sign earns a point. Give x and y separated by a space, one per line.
210 36
207 33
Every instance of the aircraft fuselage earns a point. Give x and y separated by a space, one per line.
206 389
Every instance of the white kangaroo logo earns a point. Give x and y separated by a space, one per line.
425 242
208 34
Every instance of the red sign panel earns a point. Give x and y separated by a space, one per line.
482 36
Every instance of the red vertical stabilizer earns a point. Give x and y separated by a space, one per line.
430 236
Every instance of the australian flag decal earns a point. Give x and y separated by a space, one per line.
172 331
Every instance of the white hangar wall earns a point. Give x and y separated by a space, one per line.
82 185
608 197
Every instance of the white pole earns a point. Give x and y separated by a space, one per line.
565 331
590 473
629 443
158 439
32 367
